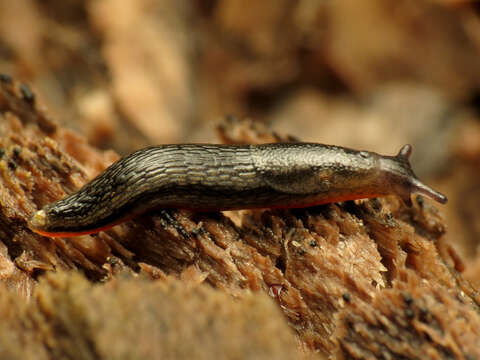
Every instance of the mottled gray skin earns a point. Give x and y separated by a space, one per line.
225 177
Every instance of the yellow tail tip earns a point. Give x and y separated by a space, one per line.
38 220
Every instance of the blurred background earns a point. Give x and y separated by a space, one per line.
372 74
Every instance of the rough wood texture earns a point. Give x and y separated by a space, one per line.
166 320
355 279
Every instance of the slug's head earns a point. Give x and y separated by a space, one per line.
398 174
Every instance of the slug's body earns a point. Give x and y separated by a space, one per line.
225 177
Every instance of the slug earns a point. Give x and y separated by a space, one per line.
204 177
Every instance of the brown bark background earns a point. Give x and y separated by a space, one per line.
351 280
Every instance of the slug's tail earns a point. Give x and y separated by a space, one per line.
416 185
